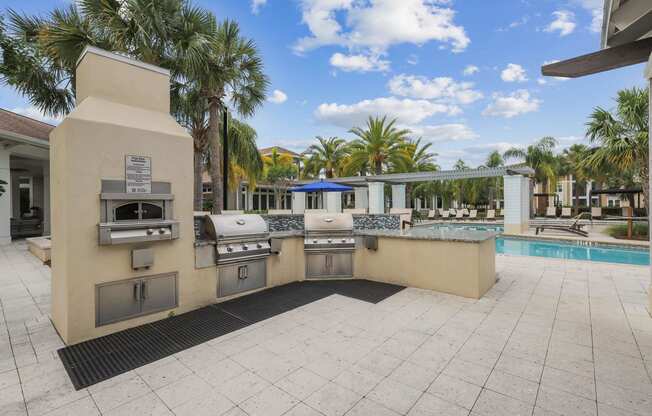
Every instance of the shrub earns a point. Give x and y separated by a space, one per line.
639 231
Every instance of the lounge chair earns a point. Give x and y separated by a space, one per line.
596 213
491 215
432 214
405 215
445 214
551 212
473 214
459 215
566 212
501 213
574 228
465 211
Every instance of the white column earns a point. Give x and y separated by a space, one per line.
46 198
517 204
376 197
398 196
333 201
648 77
361 198
5 200
298 202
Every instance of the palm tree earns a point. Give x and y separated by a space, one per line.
230 73
376 145
622 136
327 155
540 157
414 157
571 164
494 160
40 54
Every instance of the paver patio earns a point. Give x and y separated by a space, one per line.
552 337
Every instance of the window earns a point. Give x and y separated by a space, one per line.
206 188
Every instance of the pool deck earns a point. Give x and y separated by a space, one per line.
552 337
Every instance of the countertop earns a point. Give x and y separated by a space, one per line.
415 233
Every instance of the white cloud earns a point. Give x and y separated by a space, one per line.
595 8
516 23
564 23
470 70
359 63
36 114
513 73
440 88
541 81
413 59
256 5
377 25
514 104
444 132
407 111
278 97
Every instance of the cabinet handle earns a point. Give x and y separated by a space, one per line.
136 291
143 290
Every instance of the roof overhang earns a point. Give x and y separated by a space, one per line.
10 138
440 175
626 40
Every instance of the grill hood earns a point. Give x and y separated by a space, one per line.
232 227
328 222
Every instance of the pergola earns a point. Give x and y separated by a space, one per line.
370 191
626 40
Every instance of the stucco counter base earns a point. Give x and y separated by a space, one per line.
457 267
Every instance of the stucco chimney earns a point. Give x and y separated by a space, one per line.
117 78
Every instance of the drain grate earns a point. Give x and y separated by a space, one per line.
90 362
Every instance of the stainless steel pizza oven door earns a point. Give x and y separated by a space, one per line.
329 245
136 218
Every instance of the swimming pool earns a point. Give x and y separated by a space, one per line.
573 251
558 249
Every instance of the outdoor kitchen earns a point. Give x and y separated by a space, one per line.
132 253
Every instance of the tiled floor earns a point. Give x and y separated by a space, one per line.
551 338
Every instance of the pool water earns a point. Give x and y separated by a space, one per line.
557 249
573 251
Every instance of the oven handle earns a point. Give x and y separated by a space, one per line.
329 250
243 259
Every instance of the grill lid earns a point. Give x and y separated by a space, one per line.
225 227
325 222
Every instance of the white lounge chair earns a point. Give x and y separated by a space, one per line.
551 212
354 210
566 212
445 214
491 215
473 214
596 213
459 215
279 211
432 214
465 212
501 213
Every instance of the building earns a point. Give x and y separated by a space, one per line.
25 167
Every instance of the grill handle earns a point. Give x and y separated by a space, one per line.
137 291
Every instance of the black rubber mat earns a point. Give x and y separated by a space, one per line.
90 362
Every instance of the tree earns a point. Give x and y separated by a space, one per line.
621 137
279 170
540 157
379 142
414 157
494 160
230 72
571 164
326 155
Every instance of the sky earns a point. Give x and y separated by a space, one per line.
462 74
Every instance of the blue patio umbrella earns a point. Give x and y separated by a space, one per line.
321 186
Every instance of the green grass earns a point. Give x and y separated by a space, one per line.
639 232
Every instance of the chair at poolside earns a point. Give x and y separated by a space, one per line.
574 228
459 215
432 214
465 211
566 212
491 215
596 213
445 214
551 212
501 213
473 214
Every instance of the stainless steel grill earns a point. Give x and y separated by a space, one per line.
238 237
242 247
329 245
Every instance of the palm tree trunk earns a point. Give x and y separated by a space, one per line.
577 195
379 168
197 197
216 153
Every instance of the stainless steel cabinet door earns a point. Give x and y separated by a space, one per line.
159 293
316 266
117 301
342 265
238 278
